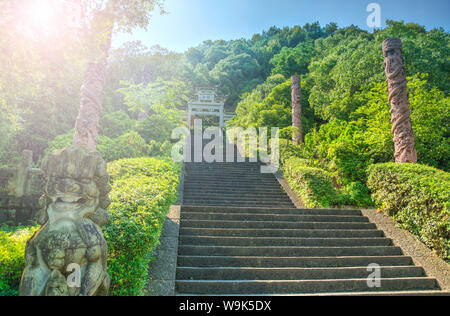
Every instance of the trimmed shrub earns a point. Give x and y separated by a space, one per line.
313 185
130 145
418 198
143 190
289 150
356 194
116 124
156 127
12 254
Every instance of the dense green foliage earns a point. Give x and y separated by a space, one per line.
12 254
418 197
342 79
313 185
346 118
129 145
289 150
143 190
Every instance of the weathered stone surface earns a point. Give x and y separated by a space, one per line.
398 98
76 187
297 109
22 173
20 189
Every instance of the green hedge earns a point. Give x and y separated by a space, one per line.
143 190
418 198
313 185
12 262
289 150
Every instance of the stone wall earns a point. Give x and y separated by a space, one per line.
20 190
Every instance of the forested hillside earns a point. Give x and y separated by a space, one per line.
344 94
347 154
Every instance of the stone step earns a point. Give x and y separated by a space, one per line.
227 195
275 217
232 190
237 168
237 196
241 234
302 286
224 164
194 250
286 262
298 233
231 183
229 175
277 225
189 199
226 273
283 241
239 203
231 180
224 167
254 170
201 187
232 210
240 187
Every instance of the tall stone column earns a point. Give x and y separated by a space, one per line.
297 109
398 98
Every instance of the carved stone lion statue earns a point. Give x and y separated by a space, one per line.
67 256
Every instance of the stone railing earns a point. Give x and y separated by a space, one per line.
20 190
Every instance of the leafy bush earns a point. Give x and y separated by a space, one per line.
289 150
116 124
143 190
60 142
313 185
340 148
130 145
156 127
355 193
12 262
430 114
418 197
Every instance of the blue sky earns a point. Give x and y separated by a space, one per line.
190 22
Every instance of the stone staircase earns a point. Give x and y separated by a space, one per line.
240 234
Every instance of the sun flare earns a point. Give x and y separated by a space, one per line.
41 15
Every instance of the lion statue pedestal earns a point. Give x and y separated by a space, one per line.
67 256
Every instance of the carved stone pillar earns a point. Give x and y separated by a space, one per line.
67 256
398 98
22 173
297 109
87 124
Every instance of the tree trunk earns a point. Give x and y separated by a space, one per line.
398 98
87 124
297 109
